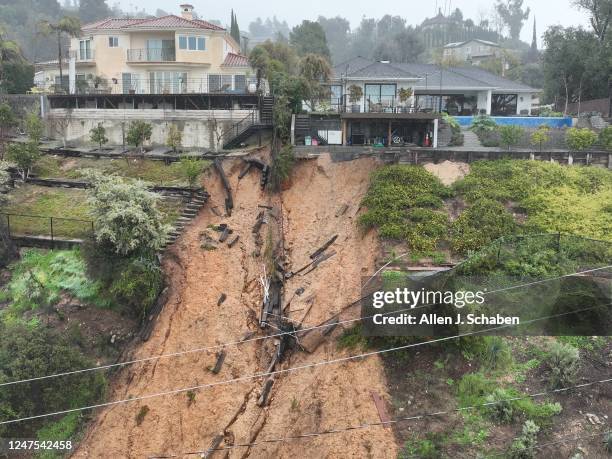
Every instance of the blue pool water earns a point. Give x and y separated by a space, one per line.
523 121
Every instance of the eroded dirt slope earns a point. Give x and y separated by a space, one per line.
311 400
338 395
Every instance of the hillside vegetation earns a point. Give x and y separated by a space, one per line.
501 198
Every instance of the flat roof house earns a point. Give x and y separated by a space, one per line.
163 55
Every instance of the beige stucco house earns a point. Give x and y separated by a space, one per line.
164 55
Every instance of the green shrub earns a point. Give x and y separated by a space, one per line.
473 388
28 351
127 220
563 361
605 137
191 168
479 225
580 139
64 429
501 409
39 279
510 135
523 447
138 285
540 136
399 203
495 353
282 165
483 124
132 282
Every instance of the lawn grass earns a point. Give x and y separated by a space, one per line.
40 202
155 172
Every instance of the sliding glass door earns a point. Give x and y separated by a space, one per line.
380 97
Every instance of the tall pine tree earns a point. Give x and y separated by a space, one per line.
234 29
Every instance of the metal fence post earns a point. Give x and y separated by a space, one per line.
8 224
52 239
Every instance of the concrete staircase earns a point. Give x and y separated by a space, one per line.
470 140
187 215
597 122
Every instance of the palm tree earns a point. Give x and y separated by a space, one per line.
9 51
68 25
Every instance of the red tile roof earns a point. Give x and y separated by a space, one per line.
235 60
165 22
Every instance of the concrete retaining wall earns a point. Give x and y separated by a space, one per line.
198 126
405 155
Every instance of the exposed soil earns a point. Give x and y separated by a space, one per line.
305 401
447 171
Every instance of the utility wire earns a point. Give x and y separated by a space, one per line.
276 335
282 371
392 421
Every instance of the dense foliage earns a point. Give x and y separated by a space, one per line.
28 351
480 224
556 198
580 139
41 278
126 218
402 203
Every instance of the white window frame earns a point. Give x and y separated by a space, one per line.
197 39
85 52
113 41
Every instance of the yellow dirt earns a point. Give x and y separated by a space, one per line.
305 401
447 171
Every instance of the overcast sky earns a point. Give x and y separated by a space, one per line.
547 12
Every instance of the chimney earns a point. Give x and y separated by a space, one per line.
187 11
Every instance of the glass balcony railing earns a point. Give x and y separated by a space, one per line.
151 55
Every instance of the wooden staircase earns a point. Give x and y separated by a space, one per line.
187 215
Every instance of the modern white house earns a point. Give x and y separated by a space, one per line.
386 103
465 90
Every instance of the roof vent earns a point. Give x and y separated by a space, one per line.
385 62
187 11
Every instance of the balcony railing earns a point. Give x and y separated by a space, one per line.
82 55
383 104
151 55
213 84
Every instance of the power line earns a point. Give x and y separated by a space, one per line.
392 421
282 371
276 335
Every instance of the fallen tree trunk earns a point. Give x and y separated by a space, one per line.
229 202
265 392
323 248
